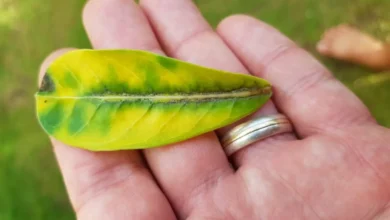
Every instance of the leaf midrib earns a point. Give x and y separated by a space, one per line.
193 96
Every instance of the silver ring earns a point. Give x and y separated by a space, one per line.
254 130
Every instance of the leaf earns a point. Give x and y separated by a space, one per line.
105 100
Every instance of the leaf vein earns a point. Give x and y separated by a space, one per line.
74 76
201 118
90 119
231 108
64 119
98 80
128 128
119 64
174 115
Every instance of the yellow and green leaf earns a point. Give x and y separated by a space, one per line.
105 100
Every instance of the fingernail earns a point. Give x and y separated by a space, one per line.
321 47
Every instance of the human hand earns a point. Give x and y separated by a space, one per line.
335 166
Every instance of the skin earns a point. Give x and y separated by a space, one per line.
335 166
347 43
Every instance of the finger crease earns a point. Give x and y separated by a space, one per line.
277 52
313 76
108 178
299 197
308 81
383 212
205 185
249 198
190 38
360 157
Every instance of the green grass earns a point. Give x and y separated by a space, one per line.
30 184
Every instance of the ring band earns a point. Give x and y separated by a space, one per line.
254 130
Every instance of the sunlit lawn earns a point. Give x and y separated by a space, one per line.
30 184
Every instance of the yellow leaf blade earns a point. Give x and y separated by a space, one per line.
125 99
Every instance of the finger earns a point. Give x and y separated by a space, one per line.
118 24
199 44
304 90
179 168
100 183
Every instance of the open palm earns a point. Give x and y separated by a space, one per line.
335 166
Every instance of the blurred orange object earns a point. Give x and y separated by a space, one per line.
349 44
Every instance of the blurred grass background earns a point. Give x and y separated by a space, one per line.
30 184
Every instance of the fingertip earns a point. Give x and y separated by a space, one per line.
49 59
114 24
239 22
94 8
90 10
322 48
241 28
237 19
